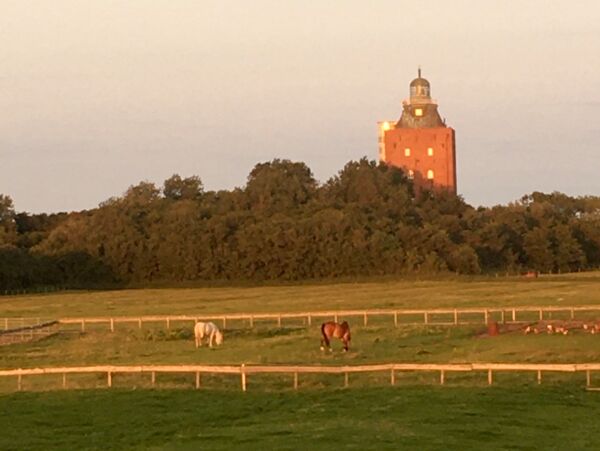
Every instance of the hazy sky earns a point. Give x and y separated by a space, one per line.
99 95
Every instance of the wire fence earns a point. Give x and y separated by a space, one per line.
26 330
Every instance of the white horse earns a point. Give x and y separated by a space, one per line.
211 330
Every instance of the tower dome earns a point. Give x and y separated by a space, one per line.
420 88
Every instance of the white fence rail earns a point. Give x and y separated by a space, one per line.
294 370
455 316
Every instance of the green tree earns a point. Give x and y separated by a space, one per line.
279 186
176 188
8 228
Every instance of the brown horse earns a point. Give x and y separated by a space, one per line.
333 329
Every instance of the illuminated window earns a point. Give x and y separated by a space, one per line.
418 112
430 174
411 174
430 151
407 152
386 126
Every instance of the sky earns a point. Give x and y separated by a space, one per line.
98 95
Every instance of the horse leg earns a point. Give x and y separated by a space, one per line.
345 345
325 340
210 339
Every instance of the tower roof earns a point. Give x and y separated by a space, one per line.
419 81
420 110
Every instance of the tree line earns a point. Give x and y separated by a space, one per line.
284 225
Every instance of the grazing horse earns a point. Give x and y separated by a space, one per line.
207 329
333 329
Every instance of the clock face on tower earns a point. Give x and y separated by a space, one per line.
418 112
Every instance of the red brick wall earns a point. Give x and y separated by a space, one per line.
418 140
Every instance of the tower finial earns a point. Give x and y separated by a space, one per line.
419 71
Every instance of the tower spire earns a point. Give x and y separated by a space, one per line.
419 71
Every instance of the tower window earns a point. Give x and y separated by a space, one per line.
418 112
430 174
407 152
430 151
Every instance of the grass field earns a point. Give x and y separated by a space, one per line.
515 413
572 289
262 345
381 418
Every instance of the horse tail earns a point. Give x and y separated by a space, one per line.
323 330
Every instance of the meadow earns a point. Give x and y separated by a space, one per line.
369 418
515 413
452 292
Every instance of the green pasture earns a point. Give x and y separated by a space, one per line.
570 289
416 413
432 418
376 343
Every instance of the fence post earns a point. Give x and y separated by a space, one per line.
442 377
346 379
140 323
514 315
82 325
296 380
153 378
541 314
243 373
279 321
197 380
5 323
224 322
365 319
392 377
490 379
335 317
168 324
425 317
485 316
251 322
539 377
309 319
64 380
503 317
112 324
572 313
588 378
19 384
109 378
455 317
396 319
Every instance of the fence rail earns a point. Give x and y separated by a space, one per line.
447 316
294 370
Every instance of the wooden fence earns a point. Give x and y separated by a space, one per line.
398 316
244 371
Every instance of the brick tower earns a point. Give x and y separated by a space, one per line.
420 142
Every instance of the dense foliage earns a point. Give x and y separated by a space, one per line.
283 225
